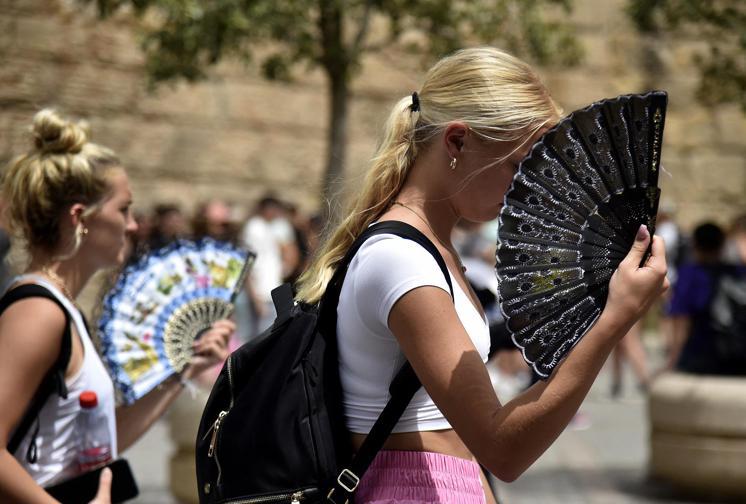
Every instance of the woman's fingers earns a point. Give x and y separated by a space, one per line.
213 344
212 347
103 496
225 324
640 245
657 259
632 288
223 328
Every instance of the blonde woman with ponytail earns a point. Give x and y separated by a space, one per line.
68 200
449 152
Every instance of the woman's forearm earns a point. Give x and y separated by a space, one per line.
16 485
526 426
134 420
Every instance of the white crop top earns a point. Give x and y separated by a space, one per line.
384 269
57 439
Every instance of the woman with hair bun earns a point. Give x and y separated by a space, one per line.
69 201
449 152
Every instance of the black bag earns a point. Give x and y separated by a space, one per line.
53 382
81 489
273 429
727 328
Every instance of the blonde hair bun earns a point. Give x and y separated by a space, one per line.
63 168
55 135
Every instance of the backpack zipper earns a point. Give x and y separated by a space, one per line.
294 497
212 452
215 428
230 380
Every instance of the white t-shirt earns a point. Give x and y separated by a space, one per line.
265 238
384 269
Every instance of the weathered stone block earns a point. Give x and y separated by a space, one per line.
697 432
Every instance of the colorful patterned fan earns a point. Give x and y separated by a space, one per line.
571 215
161 304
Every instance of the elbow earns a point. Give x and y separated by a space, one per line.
507 474
506 469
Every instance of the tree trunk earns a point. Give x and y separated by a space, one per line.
335 61
333 185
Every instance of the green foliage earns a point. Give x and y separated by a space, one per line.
183 38
721 24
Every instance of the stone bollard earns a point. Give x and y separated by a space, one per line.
698 433
183 420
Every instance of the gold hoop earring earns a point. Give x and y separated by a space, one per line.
453 164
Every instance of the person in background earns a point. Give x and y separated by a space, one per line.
214 219
630 349
677 251
695 350
300 247
69 201
269 234
169 224
735 244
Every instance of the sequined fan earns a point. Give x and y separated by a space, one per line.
570 217
161 304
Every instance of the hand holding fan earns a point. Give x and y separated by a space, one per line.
161 304
570 217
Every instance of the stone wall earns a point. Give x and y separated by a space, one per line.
237 135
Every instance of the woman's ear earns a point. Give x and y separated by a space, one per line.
76 214
454 137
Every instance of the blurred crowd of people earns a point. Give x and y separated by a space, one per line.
285 238
282 237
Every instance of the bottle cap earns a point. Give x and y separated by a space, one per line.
88 399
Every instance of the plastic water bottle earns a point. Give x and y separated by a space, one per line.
93 434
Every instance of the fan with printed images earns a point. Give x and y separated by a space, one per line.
571 216
161 304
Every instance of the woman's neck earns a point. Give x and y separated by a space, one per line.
440 217
69 276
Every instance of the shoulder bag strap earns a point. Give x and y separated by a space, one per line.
404 385
54 380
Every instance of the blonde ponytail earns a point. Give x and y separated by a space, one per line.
496 95
389 167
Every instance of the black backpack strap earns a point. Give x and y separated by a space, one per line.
282 297
54 380
404 385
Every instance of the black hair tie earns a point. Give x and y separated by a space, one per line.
415 107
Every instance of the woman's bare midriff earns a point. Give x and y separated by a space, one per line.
446 442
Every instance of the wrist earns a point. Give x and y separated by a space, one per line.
615 323
187 373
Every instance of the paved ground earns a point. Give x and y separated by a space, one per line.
604 463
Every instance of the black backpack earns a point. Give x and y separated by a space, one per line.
273 429
54 380
727 327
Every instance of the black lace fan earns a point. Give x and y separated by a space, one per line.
571 215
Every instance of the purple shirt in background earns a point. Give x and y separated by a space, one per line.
692 291
691 298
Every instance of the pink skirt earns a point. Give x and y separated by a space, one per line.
415 477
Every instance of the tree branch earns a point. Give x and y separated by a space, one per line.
362 31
